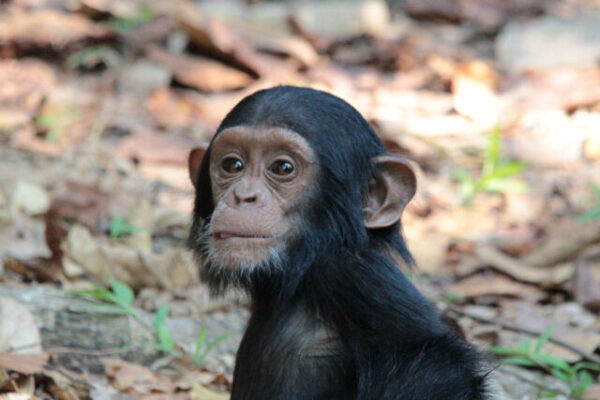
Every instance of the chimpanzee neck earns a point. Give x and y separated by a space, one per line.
308 282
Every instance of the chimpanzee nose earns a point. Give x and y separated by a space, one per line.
246 193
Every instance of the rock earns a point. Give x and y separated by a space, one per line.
550 41
18 331
30 198
327 19
547 137
143 77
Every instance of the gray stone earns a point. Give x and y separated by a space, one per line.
550 41
144 76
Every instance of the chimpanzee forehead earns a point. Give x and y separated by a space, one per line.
267 137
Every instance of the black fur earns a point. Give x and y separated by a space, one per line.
335 318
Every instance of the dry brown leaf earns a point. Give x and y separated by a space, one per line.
95 9
136 379
494 284
155 148
23 240
11 120
201 73
24 84
200 392
18 330
176 176
175 268
213 38
74 203
592 392
49 30
586 288
106 260
138 268
28 364
171 110
591 147
518 269
473 88
557 88
484 15
291 46
27 139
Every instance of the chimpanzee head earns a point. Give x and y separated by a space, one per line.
292 176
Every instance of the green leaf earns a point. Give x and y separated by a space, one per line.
492 152
201 350
466 191
591 215
161 316
547 394
525 346
165 339
462 175
123 293
596 189
98 293
585 380
509 351
215 343
506 170
560 375
201 338
543 339
163 336
554 362
120 227
501 185
520 360
587 365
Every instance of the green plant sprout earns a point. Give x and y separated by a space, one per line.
120 298
495 175
56 121
594 213
203 347
93 56
124 24
119 227
527 354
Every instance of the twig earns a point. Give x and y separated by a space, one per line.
531 380
564 245
590 357
69 375
520 270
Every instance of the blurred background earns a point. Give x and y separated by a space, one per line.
496 102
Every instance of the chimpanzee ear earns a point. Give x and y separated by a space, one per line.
389 191
195 162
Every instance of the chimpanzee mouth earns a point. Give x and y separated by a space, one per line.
237 235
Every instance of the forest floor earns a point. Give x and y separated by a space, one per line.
497 104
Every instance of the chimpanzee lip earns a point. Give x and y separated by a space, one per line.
238 235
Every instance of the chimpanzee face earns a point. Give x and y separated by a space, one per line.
259 177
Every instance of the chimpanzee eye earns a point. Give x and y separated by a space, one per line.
232 165
282 168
